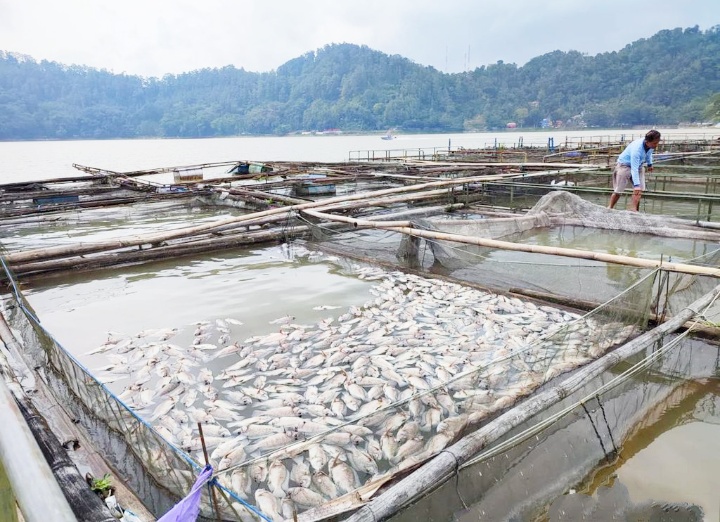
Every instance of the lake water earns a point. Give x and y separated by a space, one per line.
257 285
22 161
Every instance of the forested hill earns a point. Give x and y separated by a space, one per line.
671 77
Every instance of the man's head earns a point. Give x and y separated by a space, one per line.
652 138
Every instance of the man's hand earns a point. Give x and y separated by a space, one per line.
650 168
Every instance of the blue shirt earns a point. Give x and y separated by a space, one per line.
635 155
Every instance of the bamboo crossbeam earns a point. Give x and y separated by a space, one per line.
536 249
447 462
87 248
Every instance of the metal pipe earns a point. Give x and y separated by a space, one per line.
37 492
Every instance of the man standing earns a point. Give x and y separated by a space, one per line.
629 167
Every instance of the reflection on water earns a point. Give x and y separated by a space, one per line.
103 224
671 459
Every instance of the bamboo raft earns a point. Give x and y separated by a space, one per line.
266 202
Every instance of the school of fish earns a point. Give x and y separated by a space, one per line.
308 413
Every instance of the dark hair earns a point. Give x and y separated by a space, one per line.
652 135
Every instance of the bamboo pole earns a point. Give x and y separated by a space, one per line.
87 248
447 462
521 247
358 223
159 252
37 492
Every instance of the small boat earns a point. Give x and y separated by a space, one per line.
388 135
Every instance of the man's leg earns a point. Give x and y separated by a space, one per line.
636 195
613 199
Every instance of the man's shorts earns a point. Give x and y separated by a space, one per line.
622 176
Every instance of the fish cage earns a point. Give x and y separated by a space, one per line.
457 359
357 402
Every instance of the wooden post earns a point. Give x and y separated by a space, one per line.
207 461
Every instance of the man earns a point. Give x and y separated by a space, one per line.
629 167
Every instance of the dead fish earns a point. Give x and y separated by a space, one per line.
275 441
233 457
268 503
317 457
389 445
300 472
344 477
361 461
283 320
409 448
278 478
256 431
324 484
305 497
258 471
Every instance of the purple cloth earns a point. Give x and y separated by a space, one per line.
188 509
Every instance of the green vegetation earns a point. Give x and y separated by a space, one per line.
102 486
669 78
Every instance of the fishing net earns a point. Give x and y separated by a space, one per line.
563 463
373 391
159 473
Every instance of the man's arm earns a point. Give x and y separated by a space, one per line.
636 160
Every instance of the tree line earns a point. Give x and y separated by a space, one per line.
669 78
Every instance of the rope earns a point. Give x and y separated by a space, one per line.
607 425
597 434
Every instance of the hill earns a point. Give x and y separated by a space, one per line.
672 77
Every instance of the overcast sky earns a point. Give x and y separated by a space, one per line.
157 37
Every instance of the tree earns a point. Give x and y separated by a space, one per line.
712 110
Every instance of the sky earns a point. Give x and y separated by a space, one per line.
152 38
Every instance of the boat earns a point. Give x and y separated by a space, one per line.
388 135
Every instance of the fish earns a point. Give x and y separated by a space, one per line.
344 477
300 472
278 478
305 497
233 457
275 441
283 320
317 457
324 484
268 503
409 448
362 461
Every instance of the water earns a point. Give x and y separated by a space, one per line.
257 285
23 161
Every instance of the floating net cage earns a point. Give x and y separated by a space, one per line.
562 463
314 419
